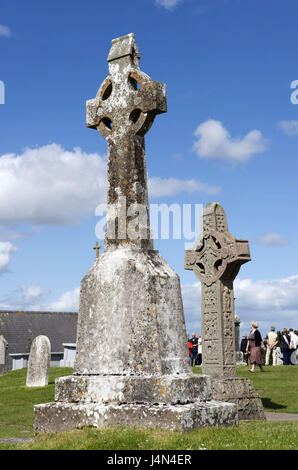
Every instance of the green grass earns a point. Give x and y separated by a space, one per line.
251 435
17 401
277 387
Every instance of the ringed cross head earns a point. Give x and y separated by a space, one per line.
217 254
128 100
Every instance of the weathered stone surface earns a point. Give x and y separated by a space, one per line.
164 389
216 259
3 355
241 392
52 417
131 318
123 114
131 366
39 362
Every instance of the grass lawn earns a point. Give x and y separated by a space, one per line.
277 387
17 401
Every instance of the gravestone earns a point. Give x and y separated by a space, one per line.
216 260
279 357
294 357
39 362
239 354
237 333
3 355
131 365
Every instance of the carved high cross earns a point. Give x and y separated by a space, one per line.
123 111
217 254
216 259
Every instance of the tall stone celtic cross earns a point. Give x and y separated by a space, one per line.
123 111
216 260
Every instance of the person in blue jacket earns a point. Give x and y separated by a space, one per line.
286 350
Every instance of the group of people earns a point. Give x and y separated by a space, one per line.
252 346
194 345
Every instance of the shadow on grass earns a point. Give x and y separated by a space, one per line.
267 403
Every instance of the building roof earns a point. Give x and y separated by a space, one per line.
20 328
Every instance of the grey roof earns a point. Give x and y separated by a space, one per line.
20 328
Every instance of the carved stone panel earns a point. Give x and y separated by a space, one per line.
216 259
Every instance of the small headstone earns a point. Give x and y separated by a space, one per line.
239 355
294 357
3 355
237 333
279 357
39 362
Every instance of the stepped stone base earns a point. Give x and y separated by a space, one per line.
167 402
58 417
241 392
115 389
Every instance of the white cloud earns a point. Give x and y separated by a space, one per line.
67 302
10 234
4 30
271 239
168 4
270 302
49 185
33 298
289 127
214 142
168 187
6 250
271 295
25 298
191 295
31 293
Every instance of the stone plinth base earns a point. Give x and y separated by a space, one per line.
58 417
115 389
175 402
241 392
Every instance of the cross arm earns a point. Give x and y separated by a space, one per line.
152 98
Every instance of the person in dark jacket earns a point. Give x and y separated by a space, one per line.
254 345
194 349
286 347
243 346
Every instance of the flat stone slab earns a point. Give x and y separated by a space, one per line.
272 416
164 389
58 417
12 440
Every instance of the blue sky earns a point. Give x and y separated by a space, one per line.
230 135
